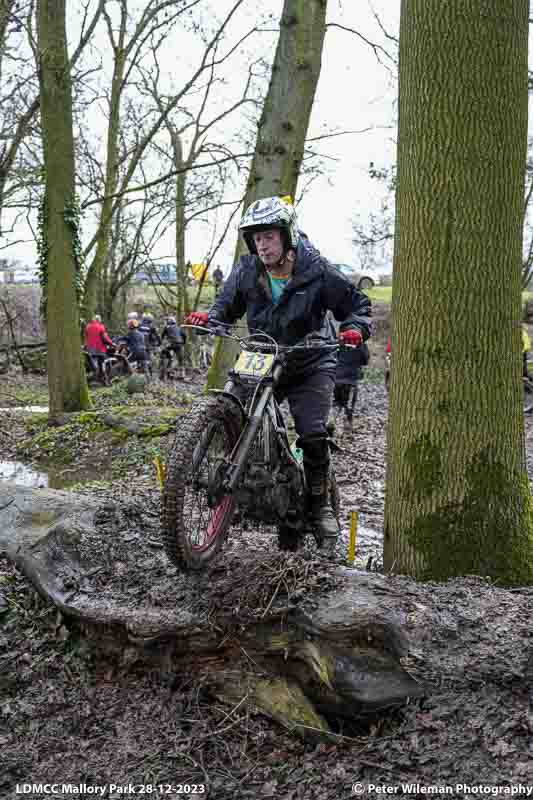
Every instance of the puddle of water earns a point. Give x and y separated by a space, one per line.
44 478
20 473
26 409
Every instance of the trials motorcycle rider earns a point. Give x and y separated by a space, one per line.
286 289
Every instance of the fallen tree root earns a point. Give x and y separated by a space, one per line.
340 655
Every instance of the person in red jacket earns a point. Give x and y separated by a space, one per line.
96 342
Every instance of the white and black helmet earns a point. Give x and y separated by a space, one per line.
268 213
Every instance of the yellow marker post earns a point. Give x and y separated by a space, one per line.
160 470
353 537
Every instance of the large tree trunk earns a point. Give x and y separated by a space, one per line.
457 499
182 300
66 377
94 293
283 126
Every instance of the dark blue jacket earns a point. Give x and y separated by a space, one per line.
151 336
315 287
175 334
135 341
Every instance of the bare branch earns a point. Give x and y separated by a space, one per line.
163 178
88 33
377 48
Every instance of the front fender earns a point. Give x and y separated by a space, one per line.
235 400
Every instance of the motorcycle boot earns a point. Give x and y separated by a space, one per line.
316 466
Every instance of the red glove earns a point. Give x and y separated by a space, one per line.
197 318
351 336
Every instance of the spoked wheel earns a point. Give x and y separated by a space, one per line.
528 395
196 514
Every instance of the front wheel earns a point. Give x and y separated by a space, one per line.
196 514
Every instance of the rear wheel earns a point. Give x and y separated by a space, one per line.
196 514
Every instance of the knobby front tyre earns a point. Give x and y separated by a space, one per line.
195 516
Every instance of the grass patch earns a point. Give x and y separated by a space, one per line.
17 396
381 294
149 296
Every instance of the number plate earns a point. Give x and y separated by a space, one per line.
255 364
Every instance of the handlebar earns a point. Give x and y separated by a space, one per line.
271 346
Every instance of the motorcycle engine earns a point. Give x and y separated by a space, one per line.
267 496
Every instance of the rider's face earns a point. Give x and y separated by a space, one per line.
269 246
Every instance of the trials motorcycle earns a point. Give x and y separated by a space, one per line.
232 460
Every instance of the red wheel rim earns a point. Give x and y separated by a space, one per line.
216 522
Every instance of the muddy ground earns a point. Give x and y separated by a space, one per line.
69 713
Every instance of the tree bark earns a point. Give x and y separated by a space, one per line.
93 293
66 377
282 129
182 300
457 498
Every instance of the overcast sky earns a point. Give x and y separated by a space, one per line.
354 93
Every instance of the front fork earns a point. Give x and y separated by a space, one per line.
239 456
